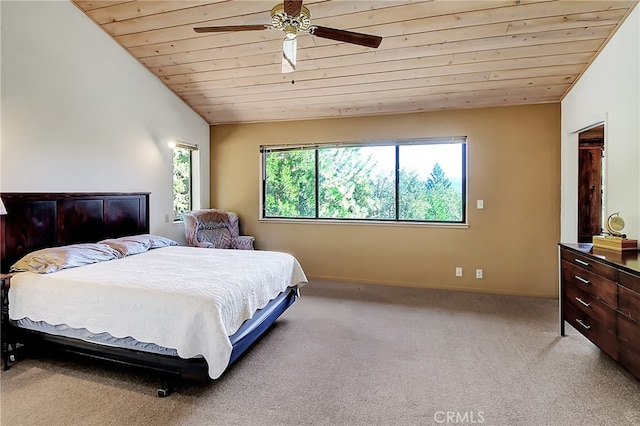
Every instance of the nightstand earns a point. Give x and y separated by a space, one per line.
7 348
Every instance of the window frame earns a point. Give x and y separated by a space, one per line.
462 140
190 148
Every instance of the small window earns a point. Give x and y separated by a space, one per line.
408 181
182 179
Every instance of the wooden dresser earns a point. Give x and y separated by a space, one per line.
600 297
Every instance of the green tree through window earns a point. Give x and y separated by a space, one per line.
351 184
390 182
290 189
181 182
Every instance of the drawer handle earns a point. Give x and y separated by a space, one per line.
588 327
582 280
583 302
582 262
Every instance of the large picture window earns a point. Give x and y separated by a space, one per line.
417 180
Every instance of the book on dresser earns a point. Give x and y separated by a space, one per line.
600 297
614 243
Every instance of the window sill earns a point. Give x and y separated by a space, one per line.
364 223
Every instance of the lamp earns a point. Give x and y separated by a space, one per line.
185 145
3 210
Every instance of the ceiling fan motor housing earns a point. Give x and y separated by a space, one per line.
280 20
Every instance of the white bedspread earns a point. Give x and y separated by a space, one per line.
187 298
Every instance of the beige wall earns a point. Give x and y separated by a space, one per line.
513 165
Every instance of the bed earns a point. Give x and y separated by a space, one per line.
182 312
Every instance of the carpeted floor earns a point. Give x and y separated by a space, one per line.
349 354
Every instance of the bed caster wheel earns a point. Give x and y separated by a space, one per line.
166 387
164 392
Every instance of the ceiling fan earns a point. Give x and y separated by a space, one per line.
292 17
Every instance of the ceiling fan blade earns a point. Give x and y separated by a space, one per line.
289 48
346 36
292 7
229 28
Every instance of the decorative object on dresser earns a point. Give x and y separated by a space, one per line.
600 297
614 239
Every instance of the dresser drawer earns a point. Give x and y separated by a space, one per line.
629 303
588 264
629 281
629 332
592 330
630 359
592 307
589 282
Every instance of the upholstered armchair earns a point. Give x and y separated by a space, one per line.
213 228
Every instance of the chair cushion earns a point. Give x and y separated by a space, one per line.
220 238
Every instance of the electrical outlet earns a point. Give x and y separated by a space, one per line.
458 272
166 218
480 204
479 273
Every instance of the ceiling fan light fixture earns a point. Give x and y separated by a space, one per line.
290 32
289 49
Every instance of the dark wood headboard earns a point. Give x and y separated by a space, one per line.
39 220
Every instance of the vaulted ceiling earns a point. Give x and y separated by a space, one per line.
435 54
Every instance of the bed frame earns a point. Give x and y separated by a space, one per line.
39 220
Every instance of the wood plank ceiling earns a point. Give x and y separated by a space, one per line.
437 54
